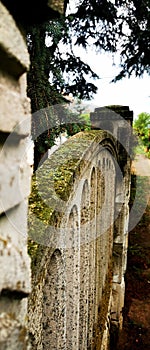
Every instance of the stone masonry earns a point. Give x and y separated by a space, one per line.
79 236
118 121
15 173
78 220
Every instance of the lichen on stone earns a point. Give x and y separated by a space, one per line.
53 184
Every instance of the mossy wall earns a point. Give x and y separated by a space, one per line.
71 243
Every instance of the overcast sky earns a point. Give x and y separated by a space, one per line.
133 92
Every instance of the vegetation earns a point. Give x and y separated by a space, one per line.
135 331
50 122
105 25
134 24
142 129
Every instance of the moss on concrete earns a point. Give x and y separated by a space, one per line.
53 184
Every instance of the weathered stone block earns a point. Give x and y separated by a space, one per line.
14 260
12 335
118 293
14 58
15 107
15 173
117 262
14 307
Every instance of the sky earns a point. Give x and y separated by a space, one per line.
133 92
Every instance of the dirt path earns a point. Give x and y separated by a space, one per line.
136 330
142 165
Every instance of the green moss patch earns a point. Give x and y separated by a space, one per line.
52 186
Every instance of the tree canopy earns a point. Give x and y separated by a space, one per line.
134 21
104 25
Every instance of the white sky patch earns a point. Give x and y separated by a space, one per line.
72 6
133 92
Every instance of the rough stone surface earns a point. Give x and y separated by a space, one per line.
78 221
12 335
14 56
79 212
15 175
14 263
15 172
19 118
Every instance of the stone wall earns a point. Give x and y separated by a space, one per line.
15 174
118 121
16 166
78 223
78 238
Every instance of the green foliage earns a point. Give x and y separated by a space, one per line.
113 25
142 128
134 37
49 122
80 123
139 149
104 25
55 69
86 117
44 93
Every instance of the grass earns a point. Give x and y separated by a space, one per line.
140 149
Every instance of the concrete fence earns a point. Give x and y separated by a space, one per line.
77 222
78 232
